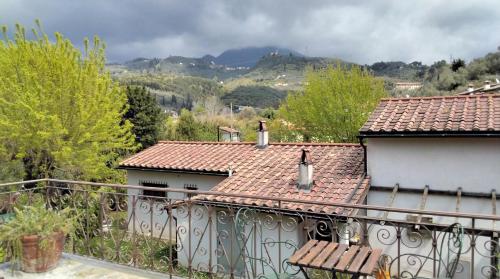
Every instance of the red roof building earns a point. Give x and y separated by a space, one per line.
269 172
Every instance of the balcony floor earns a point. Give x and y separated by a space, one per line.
72 266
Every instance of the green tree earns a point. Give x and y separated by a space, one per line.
457 64
187 127
334 104
145 114
60 111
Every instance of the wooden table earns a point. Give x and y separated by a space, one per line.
335 257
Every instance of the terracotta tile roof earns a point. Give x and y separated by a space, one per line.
477 114
271 172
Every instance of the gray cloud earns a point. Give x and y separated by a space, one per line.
358 31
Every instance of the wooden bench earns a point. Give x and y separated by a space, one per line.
335 257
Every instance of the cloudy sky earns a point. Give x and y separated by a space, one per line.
357 31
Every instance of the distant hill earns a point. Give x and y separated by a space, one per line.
231 63
255 96
414 71
249 56
179 65
284 70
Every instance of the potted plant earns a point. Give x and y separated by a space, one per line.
35 237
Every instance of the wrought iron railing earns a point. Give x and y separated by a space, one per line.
181 233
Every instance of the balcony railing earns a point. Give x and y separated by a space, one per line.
179 233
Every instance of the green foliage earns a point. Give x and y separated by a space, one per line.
60 112
145 114
399 70
35 220
188 128
255 96
196 87
334 105
457 64
11 170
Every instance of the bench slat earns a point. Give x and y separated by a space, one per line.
372 261
313 253
335 256
324 255
359 259
346 258
302 252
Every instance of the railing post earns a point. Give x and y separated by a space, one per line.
210 236
151 229
473 247
134 236
255 248
279 238
232 235
101 226
495 254
190 257
87 224
434 248
398 236
47 194
171 253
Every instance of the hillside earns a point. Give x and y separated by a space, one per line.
249 56
178 65
414 71
254 96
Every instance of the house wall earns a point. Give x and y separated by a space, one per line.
264 241
444 164
150 214
441 163
423 246
203 237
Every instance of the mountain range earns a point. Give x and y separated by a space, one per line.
249 56
259 63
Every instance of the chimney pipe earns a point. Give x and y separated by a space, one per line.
487 85
470 88
262 135
305 181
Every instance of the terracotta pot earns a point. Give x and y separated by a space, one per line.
40 259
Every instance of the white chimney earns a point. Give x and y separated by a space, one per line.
305 171
470 88
262 135
486 85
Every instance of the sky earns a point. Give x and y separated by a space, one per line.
357 31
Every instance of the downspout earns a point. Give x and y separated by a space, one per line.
364 154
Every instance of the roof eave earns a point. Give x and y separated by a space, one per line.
170 170
431 134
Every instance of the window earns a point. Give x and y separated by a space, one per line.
153 193
193 187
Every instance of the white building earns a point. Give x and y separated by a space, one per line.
437 153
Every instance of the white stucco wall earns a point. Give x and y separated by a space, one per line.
434 203
441 163
158 219
200 237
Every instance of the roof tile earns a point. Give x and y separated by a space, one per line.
271 172
464 113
